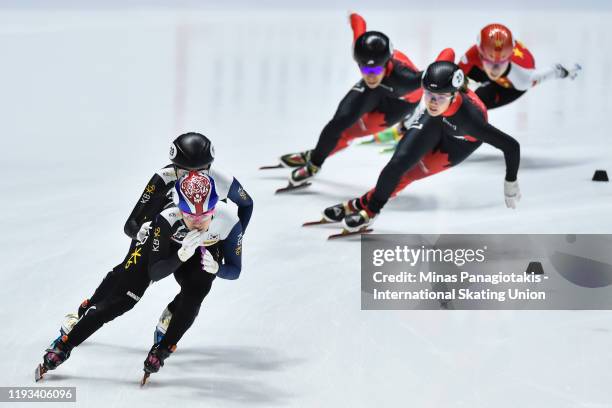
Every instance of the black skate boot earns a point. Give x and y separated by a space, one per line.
358 221
336 213
156 357
298 159
155 360
303 175
57 353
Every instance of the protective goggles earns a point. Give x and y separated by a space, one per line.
371 70
490 62
437 97
197 218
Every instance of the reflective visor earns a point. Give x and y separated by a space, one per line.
371 70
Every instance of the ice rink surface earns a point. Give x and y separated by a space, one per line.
90 102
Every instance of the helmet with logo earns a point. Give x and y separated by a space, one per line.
495 43
195 193
372 49
192 151
443 77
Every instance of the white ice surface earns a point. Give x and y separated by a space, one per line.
89 103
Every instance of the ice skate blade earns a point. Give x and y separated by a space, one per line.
292 188
320 222
276 166
346 233
39 372
144 379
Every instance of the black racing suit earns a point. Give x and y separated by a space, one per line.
385 99
152 260
445 140
157 196
491 93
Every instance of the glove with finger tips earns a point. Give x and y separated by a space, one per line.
143 231
208 263
192 240
512 193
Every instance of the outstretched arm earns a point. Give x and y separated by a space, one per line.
473 124
554 72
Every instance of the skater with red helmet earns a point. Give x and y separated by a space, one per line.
389 90
505 68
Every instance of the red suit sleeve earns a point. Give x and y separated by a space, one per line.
447 54
358 25
470 59
400 56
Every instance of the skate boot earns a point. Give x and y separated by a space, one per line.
156 357
358 221
298 159
83 308
302 175
162 325
336 213
57 353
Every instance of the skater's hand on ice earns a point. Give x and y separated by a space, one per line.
512 193
143 231
209 264
192 240
562 72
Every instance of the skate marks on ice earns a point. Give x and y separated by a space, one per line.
222 373
407 202
228 374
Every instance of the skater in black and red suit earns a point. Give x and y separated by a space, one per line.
505 68
388 91
450 128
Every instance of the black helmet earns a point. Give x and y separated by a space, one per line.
372 49
443 77
192 151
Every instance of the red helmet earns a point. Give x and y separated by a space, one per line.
495 42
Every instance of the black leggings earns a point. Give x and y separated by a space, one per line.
129 285
111 299
195 285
